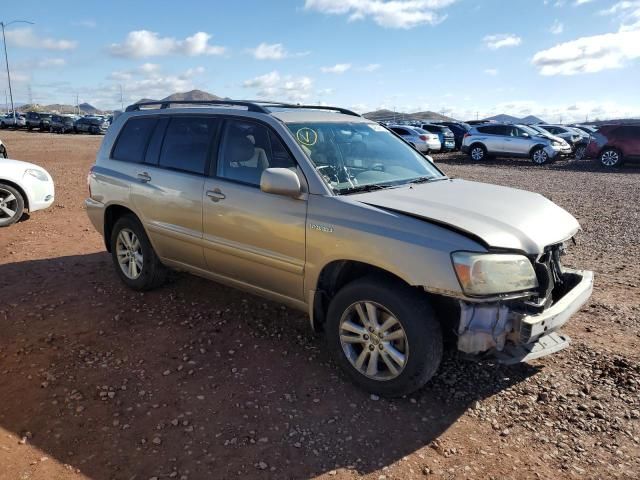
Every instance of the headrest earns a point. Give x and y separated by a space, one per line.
239 147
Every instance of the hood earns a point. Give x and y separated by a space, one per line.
501 217
15 165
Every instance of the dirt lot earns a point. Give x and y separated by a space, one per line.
196 380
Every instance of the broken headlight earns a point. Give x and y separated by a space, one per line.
492 273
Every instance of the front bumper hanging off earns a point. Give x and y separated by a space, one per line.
513 336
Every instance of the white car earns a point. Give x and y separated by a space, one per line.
23 186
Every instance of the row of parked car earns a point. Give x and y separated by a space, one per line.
542 143
55 123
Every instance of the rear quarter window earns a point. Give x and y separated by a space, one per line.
132 141
186 143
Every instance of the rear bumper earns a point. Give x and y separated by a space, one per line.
504 332
95 212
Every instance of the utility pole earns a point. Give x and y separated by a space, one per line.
6 61
121 99
77 105
30 95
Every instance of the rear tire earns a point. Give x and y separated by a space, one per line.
11 205
415 328
478 152
133 256
3 152
610 158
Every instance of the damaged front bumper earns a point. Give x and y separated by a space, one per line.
511 334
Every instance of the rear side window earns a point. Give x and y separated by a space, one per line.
628 133
490 129
400 131
133 139
186 143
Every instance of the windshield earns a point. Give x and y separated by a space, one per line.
353 157
529 130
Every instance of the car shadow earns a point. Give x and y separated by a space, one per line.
200 378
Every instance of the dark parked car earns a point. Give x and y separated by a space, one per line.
95 125
38 120
445 135
459 129
614 145
61 124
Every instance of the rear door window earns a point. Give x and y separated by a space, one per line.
133 139
187 143
628 132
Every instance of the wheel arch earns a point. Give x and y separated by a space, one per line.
535 147
338 273
111 215
22 191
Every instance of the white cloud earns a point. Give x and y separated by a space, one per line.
372 67
51 62
628 13
274 85
147 81
578 3
27 38
590 54
501 40
143 43
338 68
273 51
386 13
557 28
491 71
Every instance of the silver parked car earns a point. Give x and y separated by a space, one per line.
330 213
507 140
9 121
577 139
422 140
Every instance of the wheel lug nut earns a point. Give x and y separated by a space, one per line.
371 347
366 337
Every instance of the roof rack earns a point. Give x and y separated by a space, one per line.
259 106
310 107
251 106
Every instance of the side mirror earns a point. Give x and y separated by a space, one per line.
280 181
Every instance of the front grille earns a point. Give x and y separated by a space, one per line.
548 269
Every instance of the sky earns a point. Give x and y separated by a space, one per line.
563 60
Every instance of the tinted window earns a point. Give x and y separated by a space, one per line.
490 129
628 132
400 131
186 143
132 140
247 150
431 128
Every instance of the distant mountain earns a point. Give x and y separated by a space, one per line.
59 108
504 118
192 95
385 115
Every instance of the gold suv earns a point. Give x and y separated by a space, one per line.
328 212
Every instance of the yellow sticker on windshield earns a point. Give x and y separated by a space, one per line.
307 136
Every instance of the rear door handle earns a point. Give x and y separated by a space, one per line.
216 195
144 177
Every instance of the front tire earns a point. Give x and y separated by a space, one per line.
3 152
610 158
133 256
384 335
11 205
539 156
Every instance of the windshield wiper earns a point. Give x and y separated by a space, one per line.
364 188
426 179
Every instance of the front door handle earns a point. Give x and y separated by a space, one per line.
216 195
144 177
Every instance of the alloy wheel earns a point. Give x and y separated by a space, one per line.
8 204
540 156
580 152
477 153
129 253
610 158
374 341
